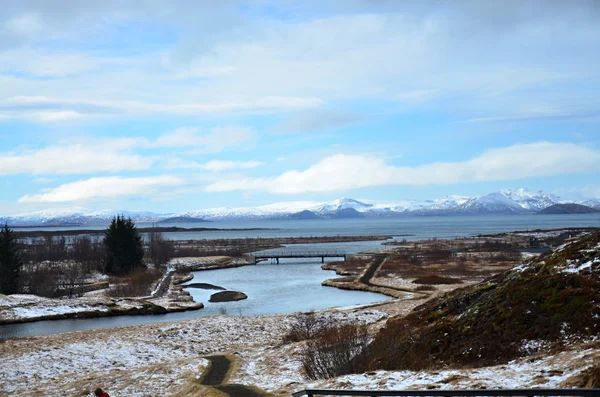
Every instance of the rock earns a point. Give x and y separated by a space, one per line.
204 286
227 296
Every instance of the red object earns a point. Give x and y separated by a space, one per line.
105 394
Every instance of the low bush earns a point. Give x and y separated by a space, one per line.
304 326
432 279
425 288
336 350
139 283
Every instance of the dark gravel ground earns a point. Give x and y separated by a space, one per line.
217 374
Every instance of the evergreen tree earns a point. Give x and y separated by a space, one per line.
123 246
10 262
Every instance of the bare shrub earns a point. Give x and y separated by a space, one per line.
304 326
182 252
336 350
160 250
89 251
506 256
425 288
73 274
138 283
40 279
434 279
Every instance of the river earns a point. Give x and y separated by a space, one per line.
295 285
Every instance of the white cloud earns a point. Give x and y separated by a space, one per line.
317 119
400 53
214 141
103 188
213 165
344 172
536 115
31 106
72 159
24 24
224 165
62 115
39 63
86 154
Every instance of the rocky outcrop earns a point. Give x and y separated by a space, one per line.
227 296
204 286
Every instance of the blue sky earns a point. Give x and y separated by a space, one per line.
183 105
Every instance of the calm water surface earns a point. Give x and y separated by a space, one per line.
417 227
293 285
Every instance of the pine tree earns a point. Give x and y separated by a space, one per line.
123 246
10 262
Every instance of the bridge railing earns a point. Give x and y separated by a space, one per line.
299 254
451 393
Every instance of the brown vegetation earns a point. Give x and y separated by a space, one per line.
304 327
488 323
435 279
331 349
353 266
449 261
139 283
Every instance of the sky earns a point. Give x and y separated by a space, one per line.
173 106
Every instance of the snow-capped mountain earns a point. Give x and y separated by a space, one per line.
342 203
77 216
510 201
533 201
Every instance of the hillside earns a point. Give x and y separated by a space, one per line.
568 208
545 304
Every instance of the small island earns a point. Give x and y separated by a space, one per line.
227 296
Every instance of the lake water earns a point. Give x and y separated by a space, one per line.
416 227
295 285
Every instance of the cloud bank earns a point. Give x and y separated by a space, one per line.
345 172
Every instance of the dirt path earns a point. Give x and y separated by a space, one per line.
163 287
218 372
374 267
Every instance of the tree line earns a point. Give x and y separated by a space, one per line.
121 251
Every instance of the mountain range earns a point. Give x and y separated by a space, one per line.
510 201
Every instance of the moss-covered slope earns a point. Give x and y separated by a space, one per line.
542 304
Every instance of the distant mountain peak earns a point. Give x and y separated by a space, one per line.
506 201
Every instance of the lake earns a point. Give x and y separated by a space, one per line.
416 227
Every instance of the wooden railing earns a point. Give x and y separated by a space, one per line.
451 393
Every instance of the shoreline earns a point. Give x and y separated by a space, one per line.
163 229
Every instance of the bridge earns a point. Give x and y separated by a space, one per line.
290 254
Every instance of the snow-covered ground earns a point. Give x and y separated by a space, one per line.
32 306
208 262
168 359
550 371
17 308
